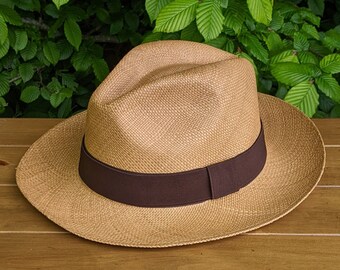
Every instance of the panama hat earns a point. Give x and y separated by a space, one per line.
176 148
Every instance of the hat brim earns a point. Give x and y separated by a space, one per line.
48 177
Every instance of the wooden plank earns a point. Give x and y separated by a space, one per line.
20 131
65 251
26 131
331 174
10 157
318 214
17 214
329 129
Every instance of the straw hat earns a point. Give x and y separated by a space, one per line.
176 147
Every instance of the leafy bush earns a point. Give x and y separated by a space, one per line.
294 59
53 54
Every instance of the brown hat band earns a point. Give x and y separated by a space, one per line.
173 189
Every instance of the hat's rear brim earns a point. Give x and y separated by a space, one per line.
48 177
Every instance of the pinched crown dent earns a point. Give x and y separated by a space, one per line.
173 106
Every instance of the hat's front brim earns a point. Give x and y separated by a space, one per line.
48 177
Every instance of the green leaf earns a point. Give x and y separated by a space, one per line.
261 10
304 96
309 16
3 31
65 108
4 48
310 30
116 26
176 16
325 103
29 94
4 84
209 19
10 15
29 51
332 39
54 85
114 5
26 71
293 73
274 42
281 91
318 48
308 58
235 15
3 104
277 21
75 13
286 8
300 42
153 7
100 69
21 40
45 93
150 37
59 3
82 60
69 80
331 63
28 5
73 33
51 10
65 49
289 29
254 46
191 33
67 92
132 20
218 42
224 3
56 99
103 15
51 52
42 59
335 111
229 46
317 6
329 86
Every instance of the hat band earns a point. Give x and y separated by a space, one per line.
173 189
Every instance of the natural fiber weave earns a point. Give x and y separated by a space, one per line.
142 118
166 111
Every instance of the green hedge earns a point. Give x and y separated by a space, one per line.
54 53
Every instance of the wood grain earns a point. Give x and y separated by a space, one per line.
26 131
66 251
307 238
329 129
18 131
319 213
10 157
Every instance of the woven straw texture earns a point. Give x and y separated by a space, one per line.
127 112
167 102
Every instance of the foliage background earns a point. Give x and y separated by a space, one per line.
53 53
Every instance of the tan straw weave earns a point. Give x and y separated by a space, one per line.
167 107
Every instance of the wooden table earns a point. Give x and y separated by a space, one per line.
307 238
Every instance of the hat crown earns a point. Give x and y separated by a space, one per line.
173 106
